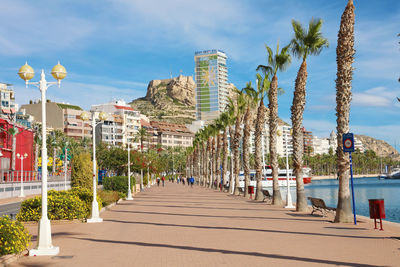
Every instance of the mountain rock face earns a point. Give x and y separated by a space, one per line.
380 147
181 89
171 100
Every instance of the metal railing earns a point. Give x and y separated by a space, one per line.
30 176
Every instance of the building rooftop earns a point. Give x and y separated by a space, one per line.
170 127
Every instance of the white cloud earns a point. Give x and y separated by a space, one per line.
375 97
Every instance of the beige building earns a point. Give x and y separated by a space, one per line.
172 135
63 117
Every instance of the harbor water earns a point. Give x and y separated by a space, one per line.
364 189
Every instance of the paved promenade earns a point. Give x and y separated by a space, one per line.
181 226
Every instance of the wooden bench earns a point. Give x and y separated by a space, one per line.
267 196
318 204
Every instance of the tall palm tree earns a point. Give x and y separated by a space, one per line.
263 84
305 42
280 61
213 132
251 100
219 127
344 58
225 120
240 107
230 111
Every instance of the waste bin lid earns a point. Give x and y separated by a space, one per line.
375 199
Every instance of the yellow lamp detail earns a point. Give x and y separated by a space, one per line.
102 116
26 72
58 72
279 133
84 116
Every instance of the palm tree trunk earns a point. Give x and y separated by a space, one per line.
208 157
246 156
13 152
273 127
236 143
231 134
344 58
218 159
224 156
260 120
212 165
299 101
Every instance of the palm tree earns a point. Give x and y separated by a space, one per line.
240 106
219 127
214 133
305 42
280 61
263 84
230 111
344 58
225 120
251 100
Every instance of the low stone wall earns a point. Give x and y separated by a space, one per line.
8 190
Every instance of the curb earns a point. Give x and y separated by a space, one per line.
110 206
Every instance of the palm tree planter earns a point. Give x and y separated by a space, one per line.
305 42
344 58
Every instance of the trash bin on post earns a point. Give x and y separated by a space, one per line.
377 210
251 190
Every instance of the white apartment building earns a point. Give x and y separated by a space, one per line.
7 99
322 145
284 139
122 125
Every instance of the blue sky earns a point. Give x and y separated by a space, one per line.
113 48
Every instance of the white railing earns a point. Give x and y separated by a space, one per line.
30 176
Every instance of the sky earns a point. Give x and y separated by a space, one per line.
113 48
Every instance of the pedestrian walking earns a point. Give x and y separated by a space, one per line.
158 181
183 181
163 181
191 181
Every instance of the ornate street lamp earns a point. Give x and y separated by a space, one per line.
95 217
44 245
22 157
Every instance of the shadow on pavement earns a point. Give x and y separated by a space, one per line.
224 251
243 229
218 216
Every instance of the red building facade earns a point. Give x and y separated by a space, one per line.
24 144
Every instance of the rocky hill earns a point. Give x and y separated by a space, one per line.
380 147
170 100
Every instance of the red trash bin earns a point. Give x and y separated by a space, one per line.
251 190
377 210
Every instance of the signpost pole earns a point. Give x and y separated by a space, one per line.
352 189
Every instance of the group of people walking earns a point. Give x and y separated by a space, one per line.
189 180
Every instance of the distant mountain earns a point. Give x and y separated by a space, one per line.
380 147
171 100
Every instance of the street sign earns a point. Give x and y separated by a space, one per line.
348 142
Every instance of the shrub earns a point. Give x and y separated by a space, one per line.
109 197
86 195
118 183
62 205
81 171
14 238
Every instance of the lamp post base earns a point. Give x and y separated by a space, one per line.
129 197
94 220
21 195
44 247
95 214
290 207
44 251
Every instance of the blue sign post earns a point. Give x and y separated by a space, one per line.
348 146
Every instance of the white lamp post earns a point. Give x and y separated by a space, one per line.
22 157
148 174
95 217
289 204
44 246
129 197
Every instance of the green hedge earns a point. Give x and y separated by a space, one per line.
118 183
109 197
14 238
62 205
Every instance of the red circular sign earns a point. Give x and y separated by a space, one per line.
348 143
